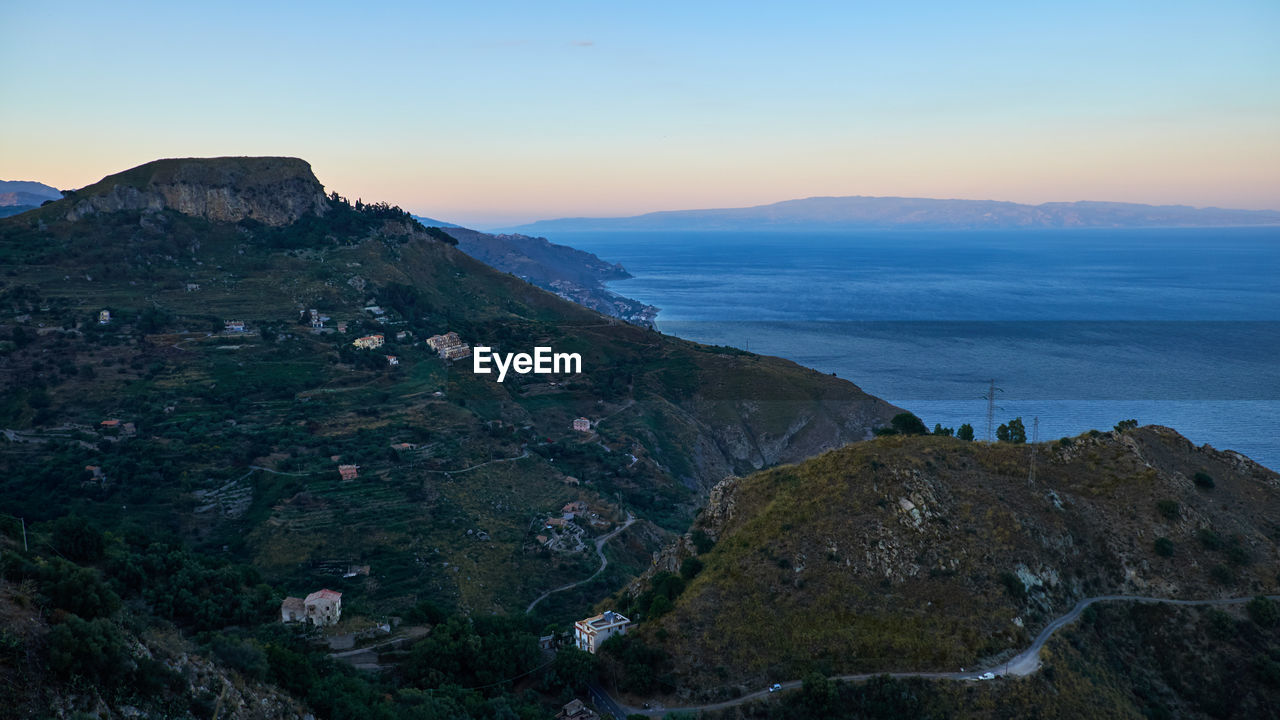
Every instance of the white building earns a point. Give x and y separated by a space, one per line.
324 607
591 633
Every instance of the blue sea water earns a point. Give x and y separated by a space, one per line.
1080 328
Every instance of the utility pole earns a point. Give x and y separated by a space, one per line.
990 397
1035 438
24 534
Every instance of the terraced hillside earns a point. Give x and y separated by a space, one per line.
232 435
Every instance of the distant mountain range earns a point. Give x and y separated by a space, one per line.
18 196
432 222
840 213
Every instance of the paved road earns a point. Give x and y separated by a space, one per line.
1024 663
604 563
606 704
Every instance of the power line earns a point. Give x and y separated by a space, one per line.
990 397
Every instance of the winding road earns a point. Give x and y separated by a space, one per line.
604 563
1022 664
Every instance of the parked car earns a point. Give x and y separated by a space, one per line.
987 676
775 687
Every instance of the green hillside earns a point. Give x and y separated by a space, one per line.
454 518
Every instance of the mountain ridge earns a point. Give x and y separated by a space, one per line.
874 212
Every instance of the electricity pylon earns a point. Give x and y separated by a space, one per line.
990 397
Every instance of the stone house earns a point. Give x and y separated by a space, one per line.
322 607
576 710
293 610
582 425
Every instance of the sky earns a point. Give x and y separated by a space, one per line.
493 113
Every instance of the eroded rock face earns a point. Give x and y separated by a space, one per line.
271 190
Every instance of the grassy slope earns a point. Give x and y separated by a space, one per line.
822 566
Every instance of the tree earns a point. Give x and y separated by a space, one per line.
1002 433
908 424
946 432
1017 431
1126 425
572 668
93 649
965 432
659 607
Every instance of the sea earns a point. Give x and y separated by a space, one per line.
1077 329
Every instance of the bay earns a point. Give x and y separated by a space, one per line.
1080 328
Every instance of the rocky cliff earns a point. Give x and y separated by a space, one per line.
932 553
271 190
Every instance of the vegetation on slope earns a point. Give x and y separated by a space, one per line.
235 438
931 553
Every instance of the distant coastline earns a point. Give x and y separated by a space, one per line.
860 212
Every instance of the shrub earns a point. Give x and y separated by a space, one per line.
690 568
1222 575
1203 480
1169 509
1237 553
1014 585
1164 547
1126 425
702 541
1209 539
1264 611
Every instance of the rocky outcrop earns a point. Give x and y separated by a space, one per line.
270 190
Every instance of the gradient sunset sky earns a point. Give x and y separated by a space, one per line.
496 113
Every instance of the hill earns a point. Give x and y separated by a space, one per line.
19 196
234 430
931 553
570 273
432 222
15 193
847 213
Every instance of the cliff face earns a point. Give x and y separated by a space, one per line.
271 190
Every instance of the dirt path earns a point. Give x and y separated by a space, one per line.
604 563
